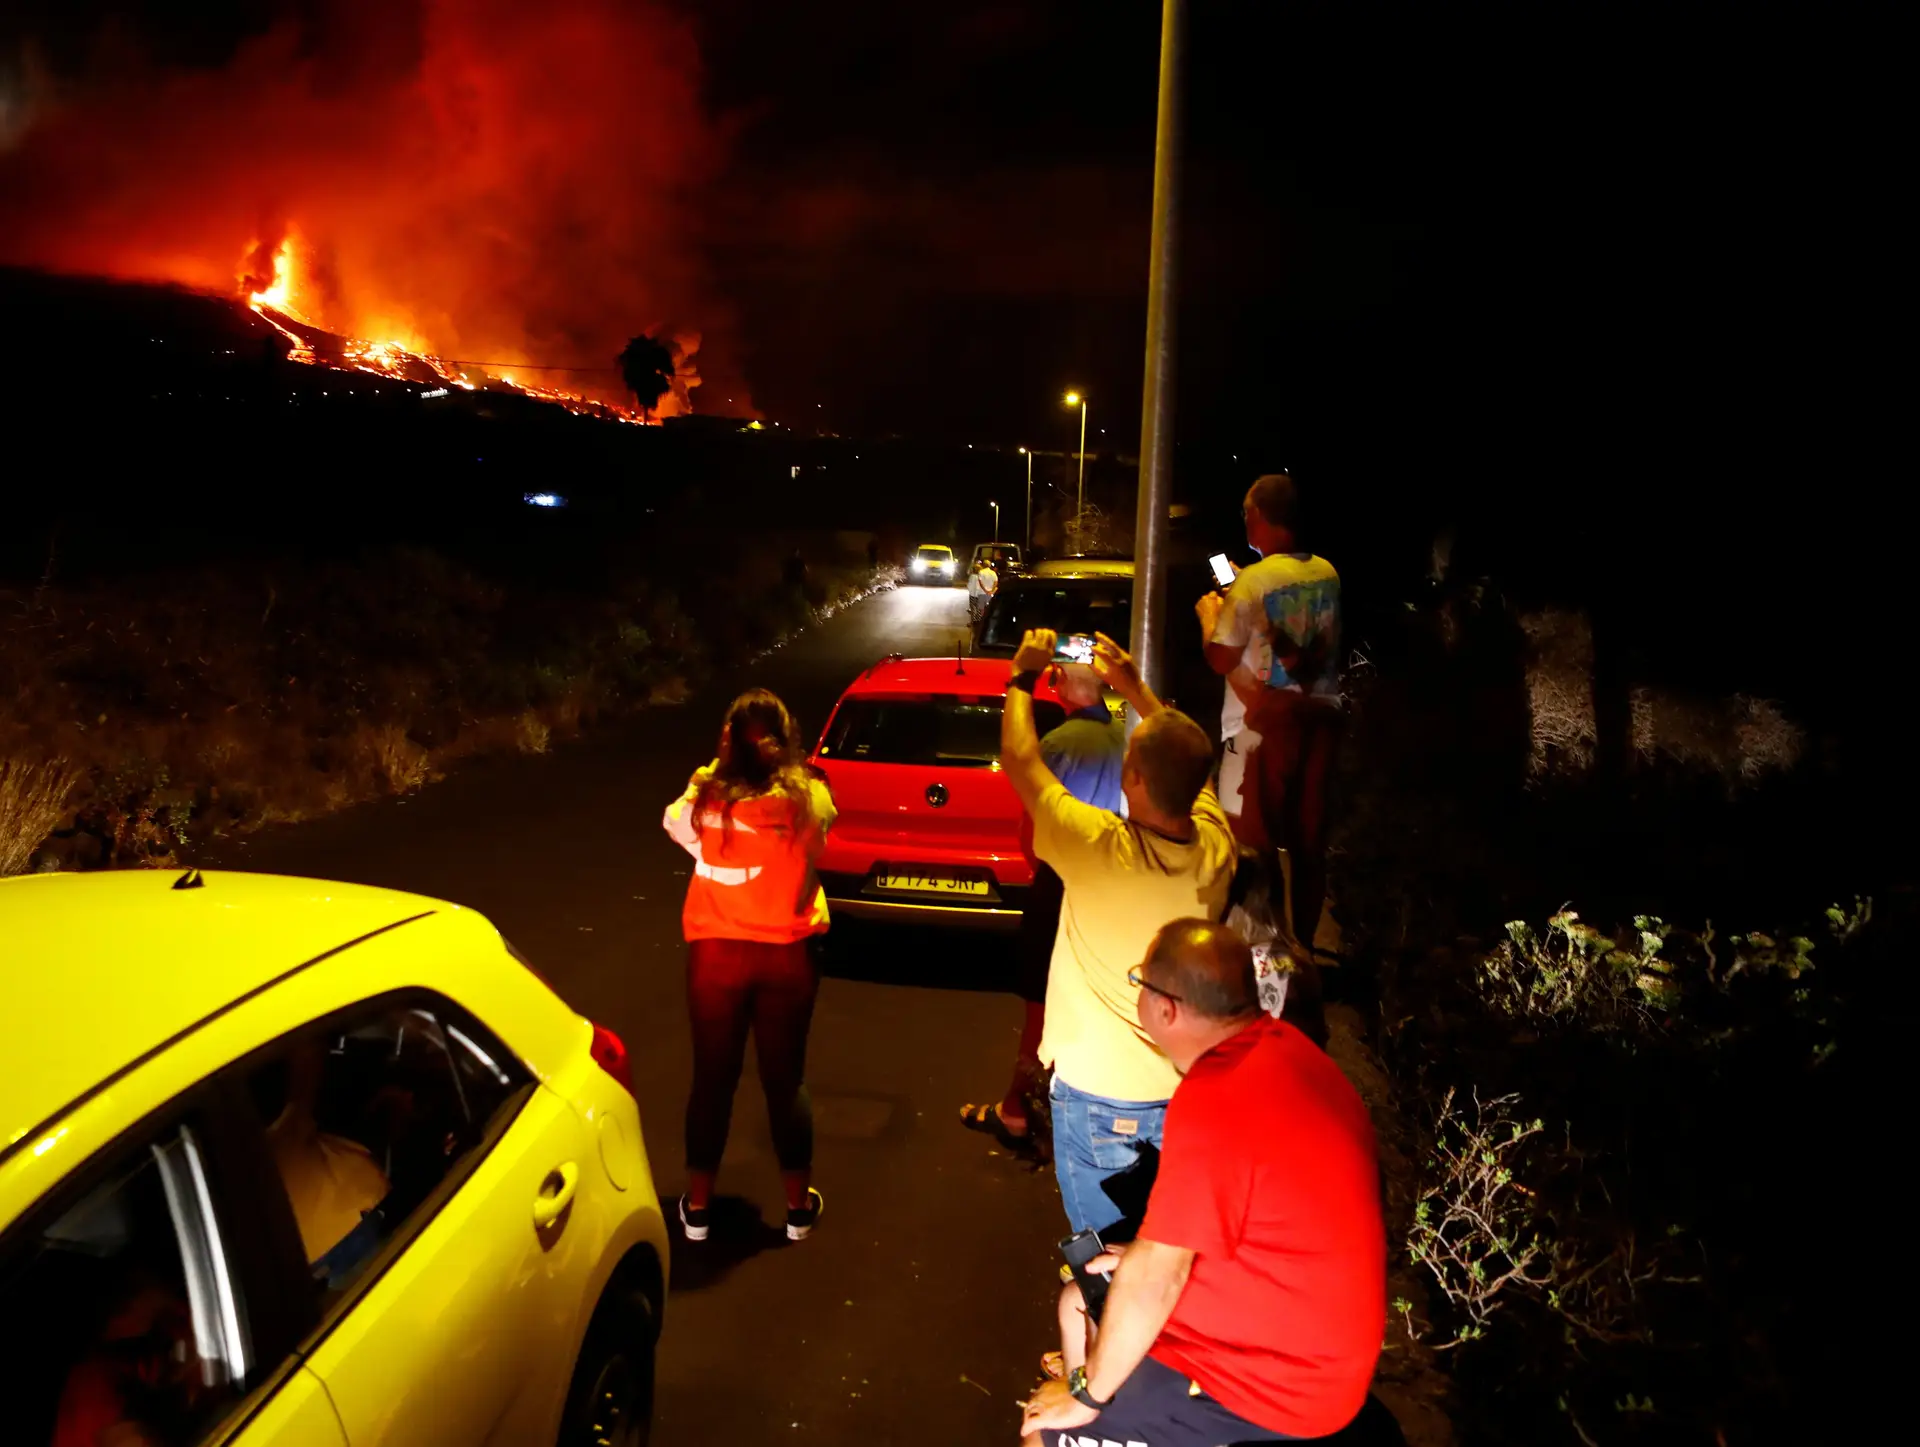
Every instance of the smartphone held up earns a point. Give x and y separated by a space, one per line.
1075 648
1222 570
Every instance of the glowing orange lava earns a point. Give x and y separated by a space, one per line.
276 304
279 295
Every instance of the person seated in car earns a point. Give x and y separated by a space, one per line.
333 1183
138 1385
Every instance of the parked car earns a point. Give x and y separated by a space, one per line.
1080 596
311 1165
1005 557
932 563
1085 564
1072 598
929 827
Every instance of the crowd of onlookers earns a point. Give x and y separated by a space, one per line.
1218 1173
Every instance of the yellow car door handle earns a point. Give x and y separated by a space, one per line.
556 1194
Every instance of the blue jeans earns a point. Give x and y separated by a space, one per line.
1095 1139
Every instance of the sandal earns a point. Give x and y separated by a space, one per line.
986 1119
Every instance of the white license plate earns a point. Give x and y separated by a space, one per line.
930 882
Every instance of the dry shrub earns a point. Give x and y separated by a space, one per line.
1560 692
564 714
396 761
233 697
531 735
673 690
1740 739
33 800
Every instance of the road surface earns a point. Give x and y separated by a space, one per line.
918 1311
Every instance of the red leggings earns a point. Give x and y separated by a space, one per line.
1284 801
734 986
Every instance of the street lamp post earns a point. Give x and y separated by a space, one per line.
1029 542
996 519
1074 399
1156 404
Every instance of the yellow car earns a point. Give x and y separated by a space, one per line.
313 1165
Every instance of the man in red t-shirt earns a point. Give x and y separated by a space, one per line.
1253 1303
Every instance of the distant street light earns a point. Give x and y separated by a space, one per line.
1029 457
996 519
1074 399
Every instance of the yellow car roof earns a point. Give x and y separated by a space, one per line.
100 970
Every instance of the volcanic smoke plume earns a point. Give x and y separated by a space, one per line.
486 180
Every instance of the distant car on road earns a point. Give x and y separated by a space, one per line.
310 1165
932 563
929 828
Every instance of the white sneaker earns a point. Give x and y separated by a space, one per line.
696 1223
800 1223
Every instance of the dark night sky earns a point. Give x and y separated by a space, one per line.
1397 221
1616 251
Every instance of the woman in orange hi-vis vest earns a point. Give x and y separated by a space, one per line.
754 821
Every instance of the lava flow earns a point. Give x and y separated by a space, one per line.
310 342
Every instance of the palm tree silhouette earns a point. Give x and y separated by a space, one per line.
648 367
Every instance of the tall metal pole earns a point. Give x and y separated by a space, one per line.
1029 544
1080 503
1156 404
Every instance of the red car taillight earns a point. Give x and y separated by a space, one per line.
610 1054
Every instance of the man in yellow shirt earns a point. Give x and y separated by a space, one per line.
1171 858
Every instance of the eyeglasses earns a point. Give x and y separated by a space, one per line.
1134 979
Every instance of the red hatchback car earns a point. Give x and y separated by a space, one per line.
929 828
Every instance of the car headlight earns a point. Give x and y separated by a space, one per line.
919 565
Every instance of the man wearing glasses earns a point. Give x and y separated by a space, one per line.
1171 857
1253 1302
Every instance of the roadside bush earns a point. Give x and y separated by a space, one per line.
33 800
1584 1199
1739 739
1619 1194
147 713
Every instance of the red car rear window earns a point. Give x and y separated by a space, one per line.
944 731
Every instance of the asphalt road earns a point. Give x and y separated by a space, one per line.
917 1312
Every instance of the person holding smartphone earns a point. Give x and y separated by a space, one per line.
1084 753
755 821
1172 856
1275 635
1252 1303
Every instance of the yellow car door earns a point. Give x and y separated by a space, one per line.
140 1311
298 1414
468 1336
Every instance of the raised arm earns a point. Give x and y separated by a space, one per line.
819 816
1222 658
1117 670
1020 756
678 819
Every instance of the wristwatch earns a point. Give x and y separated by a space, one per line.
1025 680
1077 1384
